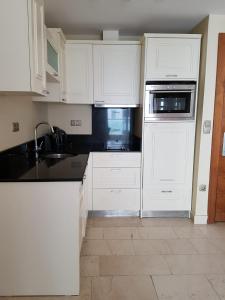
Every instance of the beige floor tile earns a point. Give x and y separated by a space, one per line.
95 247
120 247
218 283
213 231
196 264
219 243
146 222
186 287
89 265
94 233
185 232
181 246
121 233
148 247
156 233
116 222
123 288
205 246
133 265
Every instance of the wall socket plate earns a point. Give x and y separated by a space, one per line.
15 126
202 187
77 123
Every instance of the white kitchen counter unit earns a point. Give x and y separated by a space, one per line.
39 234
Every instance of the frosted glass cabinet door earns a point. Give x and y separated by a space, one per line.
79 73
172 58
116 74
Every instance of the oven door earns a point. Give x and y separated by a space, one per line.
169 105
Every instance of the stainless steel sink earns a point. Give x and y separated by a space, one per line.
57 155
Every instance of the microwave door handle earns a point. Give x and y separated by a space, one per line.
168 91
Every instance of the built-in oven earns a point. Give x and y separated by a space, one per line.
170 100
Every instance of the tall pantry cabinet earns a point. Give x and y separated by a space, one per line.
168 144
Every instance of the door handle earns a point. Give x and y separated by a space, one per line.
166 191
223 149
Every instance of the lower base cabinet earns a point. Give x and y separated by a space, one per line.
116 199
39 234
116 181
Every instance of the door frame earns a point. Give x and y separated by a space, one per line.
217 129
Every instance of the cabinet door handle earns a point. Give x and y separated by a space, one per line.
171 75
166 191
46 92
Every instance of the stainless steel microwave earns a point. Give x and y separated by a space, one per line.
170 100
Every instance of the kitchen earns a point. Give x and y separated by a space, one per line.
113 126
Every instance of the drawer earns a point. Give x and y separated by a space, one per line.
116 178
166 198
123 160
116 199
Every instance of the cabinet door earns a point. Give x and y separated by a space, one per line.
79 74
116 74
171 58
38 46
168 165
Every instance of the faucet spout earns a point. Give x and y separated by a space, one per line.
36 136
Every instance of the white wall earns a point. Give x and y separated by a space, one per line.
210 27
61 114
19 109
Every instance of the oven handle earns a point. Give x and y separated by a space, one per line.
168 91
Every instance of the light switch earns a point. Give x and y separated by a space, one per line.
207 127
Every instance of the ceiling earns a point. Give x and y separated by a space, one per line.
131 17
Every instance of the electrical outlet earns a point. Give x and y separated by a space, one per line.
15 126
202 187
76 123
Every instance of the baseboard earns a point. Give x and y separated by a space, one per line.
166 214
113 213
199 220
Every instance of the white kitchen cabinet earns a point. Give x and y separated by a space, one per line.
117 74
116 178
22 57
79 73
55 67
116 181
168 166
116 199
39 232
172 57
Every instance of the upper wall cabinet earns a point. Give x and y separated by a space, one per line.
116 74
79 73
22 58
171 57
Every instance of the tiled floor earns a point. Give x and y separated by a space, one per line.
148 259
151 259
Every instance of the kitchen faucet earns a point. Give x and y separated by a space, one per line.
36 149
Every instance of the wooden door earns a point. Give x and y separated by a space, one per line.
171 58
216 207
79 74
117 74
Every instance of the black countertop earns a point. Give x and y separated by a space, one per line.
18 164
22 169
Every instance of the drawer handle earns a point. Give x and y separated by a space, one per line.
115 191
166 191
165 179
115 169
